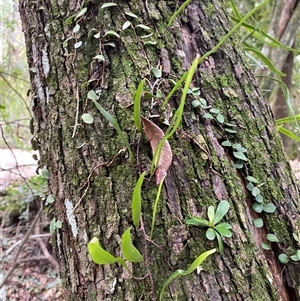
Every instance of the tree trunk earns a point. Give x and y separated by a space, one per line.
92 179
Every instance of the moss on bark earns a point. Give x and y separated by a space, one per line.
88 168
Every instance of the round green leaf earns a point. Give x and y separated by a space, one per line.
78 44
296 257
196 103
251 179
259 198
255 191
236 145
45 172
257 207
92 95
208 116
238 164
283 258
50 199
269 208
87 118
156 72
240 155
250 186
220 118
272 237
266 246
226 143
210 234
241 149
203 101
211 214
258 223
214 111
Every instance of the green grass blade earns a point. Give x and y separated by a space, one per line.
288 133
178 11
235 10
178 114
136 203
115 123
286 120
175 88
175 275
137 106
267 61
155 206
214 49
264 37
197 262
220 242
234 29
271 78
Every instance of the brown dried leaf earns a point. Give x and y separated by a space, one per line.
154 135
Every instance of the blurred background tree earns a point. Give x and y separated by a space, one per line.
280 21
15 110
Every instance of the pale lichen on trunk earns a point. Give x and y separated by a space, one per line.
96 201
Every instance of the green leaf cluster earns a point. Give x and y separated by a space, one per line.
101 256
259 205
214 230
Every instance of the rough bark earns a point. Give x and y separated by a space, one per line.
202 172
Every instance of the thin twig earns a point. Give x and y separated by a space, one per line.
87 182
45 250
15 260
16 77
20 241
23 99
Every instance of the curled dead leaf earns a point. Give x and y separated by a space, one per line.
154 134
